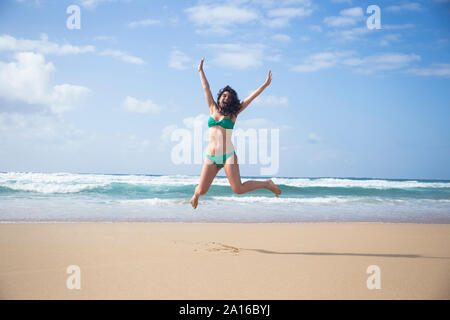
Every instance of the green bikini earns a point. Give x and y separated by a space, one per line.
226 123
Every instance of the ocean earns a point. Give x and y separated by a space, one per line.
70 197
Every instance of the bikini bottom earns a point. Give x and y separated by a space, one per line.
220 159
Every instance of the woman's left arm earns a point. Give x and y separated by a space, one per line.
256 93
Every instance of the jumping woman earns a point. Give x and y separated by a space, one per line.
221 154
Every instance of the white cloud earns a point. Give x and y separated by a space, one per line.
111 39
381 62
133 143
352 12
178 59
42 139
347 17
43 46
436 69
131 104
238 56
271 100
313 138
262 123
367 65
199 120
315 28
122 56
281 37
38 128
342 1
256 123
217 18
28 79
388 39
353 34
274 3
289 12
321 60
397 26
281 17
239 59
63 96
91 4
34 2
9 43
143 23
412 6
306 3
166 132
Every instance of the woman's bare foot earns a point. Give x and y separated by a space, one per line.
194 201
274 188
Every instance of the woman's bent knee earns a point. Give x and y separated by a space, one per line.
238 189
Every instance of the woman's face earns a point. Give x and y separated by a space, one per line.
225 98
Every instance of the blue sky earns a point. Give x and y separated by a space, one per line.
347 101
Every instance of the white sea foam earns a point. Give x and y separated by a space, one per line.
315 200
350 183
68 182
239 200
153 201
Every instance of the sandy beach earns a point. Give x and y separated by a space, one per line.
224 260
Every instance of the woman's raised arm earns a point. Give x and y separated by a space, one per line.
256 93
206 89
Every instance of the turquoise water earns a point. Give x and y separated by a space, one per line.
37 197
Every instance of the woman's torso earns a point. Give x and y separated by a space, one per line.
219 137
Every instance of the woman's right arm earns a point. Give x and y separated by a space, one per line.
256 93
206 89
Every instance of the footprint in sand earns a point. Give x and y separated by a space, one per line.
217 246
211 246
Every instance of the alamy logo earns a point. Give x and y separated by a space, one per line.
189 148
374 21
74 280
74 20
374 281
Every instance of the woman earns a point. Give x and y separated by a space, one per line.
220 152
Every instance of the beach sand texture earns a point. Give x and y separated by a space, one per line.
224 260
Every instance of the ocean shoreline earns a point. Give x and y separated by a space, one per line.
232 223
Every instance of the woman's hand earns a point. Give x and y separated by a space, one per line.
269 79
200 66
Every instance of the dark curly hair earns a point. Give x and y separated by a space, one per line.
233 106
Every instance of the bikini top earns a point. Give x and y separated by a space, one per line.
224 123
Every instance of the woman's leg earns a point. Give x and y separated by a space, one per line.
231 168
209 172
